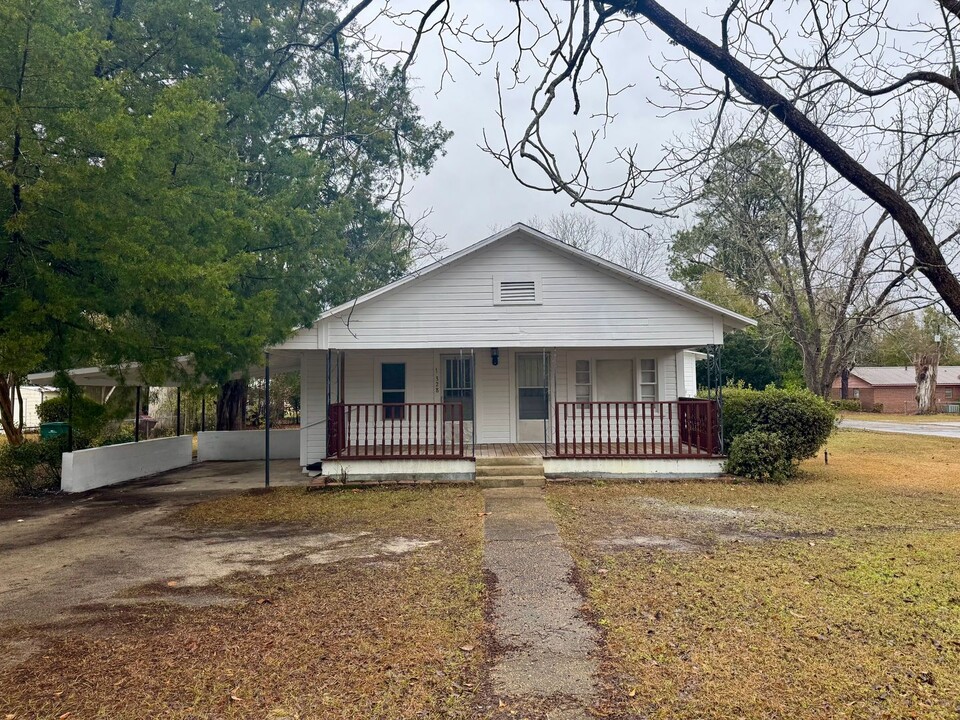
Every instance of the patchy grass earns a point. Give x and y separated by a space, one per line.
837 595
371 638
894 418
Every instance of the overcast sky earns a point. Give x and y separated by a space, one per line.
469 192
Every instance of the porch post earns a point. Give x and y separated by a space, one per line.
553 399
546 400
178 411
473 405
136 425
203 412
266 415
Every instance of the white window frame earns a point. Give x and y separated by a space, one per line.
639 385
535 278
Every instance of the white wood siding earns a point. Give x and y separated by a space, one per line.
658 426
494 421
689 375
313 407
454 307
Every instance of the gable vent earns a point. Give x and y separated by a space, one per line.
517 290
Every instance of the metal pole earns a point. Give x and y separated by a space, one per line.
266 434
69 418
136 422
203 412
178 411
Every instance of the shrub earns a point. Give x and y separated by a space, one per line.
848 405
759 455
117 436
803 420
877 408
88 416
34 466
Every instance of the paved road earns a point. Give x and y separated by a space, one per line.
549 650
935 429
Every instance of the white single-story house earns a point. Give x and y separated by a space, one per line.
519 345
517 358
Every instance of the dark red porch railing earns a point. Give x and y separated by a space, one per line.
394 431
673 429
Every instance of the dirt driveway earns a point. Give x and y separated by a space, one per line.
62 554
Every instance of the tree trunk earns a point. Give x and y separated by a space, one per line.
232 405
926 366
844 383
9 388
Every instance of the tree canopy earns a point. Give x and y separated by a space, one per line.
187 178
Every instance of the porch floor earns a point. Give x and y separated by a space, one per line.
497 450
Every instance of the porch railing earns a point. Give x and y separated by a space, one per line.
394 431
675 429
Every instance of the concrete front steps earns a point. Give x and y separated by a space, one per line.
498 472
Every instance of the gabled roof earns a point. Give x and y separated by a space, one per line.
731 319
904 375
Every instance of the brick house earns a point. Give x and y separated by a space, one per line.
894 388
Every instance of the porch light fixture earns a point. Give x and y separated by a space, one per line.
495 356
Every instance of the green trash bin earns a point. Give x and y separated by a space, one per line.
51 430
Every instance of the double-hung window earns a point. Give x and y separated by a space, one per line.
393 389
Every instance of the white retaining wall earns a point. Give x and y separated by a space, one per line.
97 467
247 445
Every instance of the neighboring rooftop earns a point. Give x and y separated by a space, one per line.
905 375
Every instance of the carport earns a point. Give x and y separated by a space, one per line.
95 467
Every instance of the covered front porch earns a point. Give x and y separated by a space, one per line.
685 428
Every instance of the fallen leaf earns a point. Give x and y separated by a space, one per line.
467 648
235 698
633 692
172 583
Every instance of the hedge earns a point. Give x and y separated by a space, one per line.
803 420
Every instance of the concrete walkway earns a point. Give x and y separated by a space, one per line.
548 662
934 429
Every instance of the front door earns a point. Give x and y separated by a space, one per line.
458 390
533 397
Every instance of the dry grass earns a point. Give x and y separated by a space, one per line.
893 418
377 638
837 595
